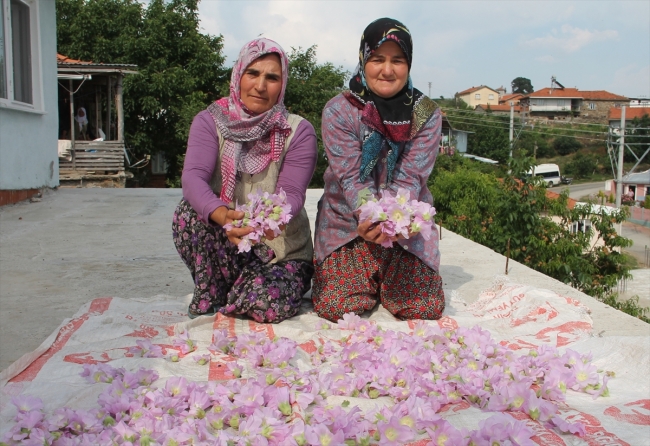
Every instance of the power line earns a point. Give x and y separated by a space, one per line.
545 131
551 123
503 120
503 125
536 132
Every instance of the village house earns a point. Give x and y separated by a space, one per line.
481 95
506 99
499 109
631 113
28 112
92 149
452 140
636 186
572 104
584 225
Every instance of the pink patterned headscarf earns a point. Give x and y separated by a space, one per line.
252 141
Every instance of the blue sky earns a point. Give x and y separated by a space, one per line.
588 44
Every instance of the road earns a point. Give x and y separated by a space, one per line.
579 191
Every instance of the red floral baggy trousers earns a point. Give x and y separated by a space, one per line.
360 274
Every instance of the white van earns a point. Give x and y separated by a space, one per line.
549 172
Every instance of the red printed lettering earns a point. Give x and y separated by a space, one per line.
633 416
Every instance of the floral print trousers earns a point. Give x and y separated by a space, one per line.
358 275
237 283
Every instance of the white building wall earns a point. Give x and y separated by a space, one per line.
28 136
551 104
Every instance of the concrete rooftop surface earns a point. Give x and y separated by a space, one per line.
75 245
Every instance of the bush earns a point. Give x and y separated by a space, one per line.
566 145
582 166
527 142
544 149
646 203
630 306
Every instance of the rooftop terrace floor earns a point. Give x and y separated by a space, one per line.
79 244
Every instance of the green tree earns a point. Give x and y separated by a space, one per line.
180 69
489 138
582 166
565 145
522 85
527 142
309 87
516 217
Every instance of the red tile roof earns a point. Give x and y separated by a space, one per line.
630 113
510 97
594 95
603 95
571 203
60 58
470 90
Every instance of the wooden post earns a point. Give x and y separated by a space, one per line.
507 256
72 125
109 102
119 108
97 114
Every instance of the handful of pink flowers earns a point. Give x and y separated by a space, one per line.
263 212
397 215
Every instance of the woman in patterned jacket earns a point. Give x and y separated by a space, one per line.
381 134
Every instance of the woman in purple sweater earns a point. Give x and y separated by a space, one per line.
381 135
240 144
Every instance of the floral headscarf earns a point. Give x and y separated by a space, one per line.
252 140
397 119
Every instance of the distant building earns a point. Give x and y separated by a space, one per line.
614 116
499 109
91 153
28 107
639 102
571 103
635 185
584 225
452 140
481 95
508 98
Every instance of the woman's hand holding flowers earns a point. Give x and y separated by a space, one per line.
371 232
224 216
391 218
264 216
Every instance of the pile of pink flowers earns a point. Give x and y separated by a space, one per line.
406 379
397 215
263 212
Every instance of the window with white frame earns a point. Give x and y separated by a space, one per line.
158 164
491 96
581 226
477 96
20 65
592 106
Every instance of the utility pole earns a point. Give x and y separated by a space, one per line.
534 158
621 151
512 125
429 90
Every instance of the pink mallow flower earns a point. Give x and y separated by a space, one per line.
320 435
184 343
145 349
